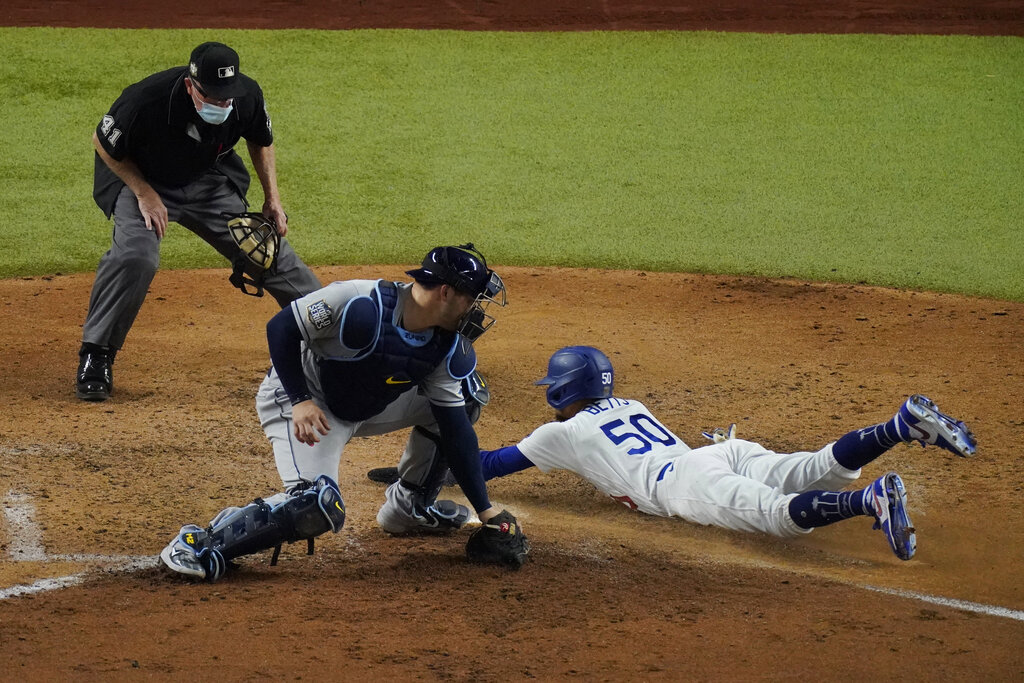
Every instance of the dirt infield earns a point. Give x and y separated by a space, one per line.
609 594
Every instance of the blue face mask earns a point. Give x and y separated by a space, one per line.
215 115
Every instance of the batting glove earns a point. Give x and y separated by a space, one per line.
718 435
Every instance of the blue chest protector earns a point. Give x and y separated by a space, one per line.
359 388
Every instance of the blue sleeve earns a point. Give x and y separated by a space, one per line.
461 449
285 342
503 461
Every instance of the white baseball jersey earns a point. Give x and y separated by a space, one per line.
622 449
615 444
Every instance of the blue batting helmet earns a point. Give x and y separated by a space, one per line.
576 372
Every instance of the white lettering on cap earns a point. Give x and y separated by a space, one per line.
225 72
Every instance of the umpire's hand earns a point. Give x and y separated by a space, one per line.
309 419
275 212
153 211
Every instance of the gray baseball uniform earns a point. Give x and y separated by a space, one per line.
323 340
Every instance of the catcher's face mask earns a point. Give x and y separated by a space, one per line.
477 320
258 246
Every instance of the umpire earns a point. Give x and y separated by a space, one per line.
165 152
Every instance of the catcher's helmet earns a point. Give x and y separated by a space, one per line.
464 268
576 372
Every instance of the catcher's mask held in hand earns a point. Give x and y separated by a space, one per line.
258 246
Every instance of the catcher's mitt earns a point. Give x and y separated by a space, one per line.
499 541
258 246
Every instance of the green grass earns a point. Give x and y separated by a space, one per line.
889 160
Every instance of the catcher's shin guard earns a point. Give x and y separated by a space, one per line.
310 510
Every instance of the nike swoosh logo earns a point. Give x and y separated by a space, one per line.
881 509
426 520
392 380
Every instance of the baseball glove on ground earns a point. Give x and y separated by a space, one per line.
499 541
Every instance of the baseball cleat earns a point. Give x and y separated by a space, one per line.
405 512
889 506
383 475
389 475
181 557
443 515
926 425
95 378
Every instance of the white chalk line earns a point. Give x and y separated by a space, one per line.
42 585
26 538
27 546
117 563
991 610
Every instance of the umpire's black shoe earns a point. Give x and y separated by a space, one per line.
95 381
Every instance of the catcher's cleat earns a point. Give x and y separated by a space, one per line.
389 475
919 420
888 504
188 554
181 557
383 475
405 513
95 378
443 515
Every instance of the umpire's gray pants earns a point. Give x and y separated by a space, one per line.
127 269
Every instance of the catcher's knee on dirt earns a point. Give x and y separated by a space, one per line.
308 511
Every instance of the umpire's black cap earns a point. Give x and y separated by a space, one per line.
215 66
462 267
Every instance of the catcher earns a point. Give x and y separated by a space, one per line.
361 358
620 447
165 152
